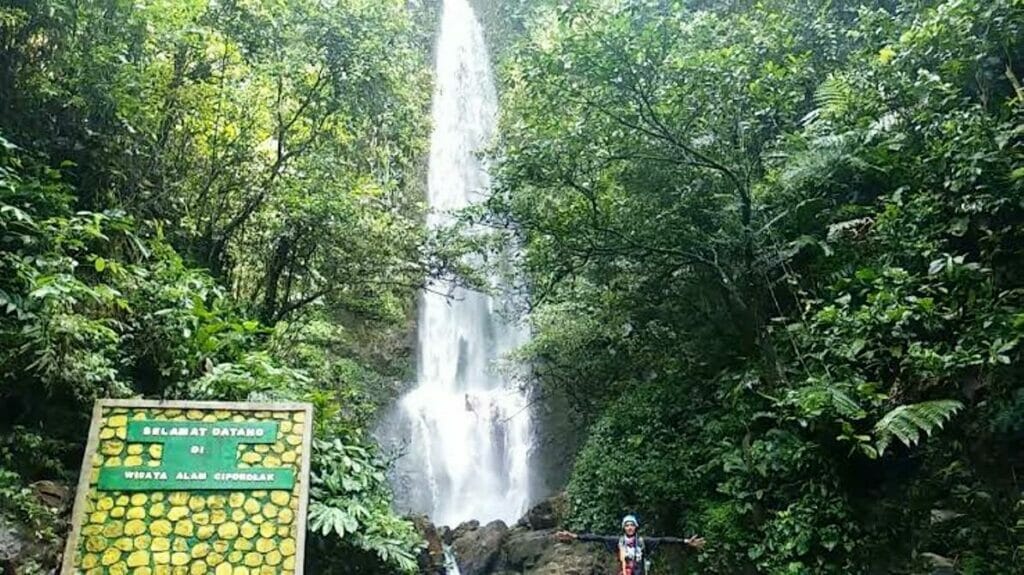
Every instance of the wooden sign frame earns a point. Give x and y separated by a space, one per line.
85 482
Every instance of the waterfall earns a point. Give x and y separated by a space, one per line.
466 429
451 566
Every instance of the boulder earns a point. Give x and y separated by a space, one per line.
524 548
12 544
52 494
529 548
431 557
547 514
529 552
476 548
22 552
940 565
450 535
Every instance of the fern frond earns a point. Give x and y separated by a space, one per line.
835 93
820 160
845 405
906 422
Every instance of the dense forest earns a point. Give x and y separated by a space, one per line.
773 247
772 252
211 200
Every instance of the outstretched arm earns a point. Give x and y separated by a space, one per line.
570 536
611 542
694 542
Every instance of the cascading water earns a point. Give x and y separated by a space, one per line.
451 565
466 429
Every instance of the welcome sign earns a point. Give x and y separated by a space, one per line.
200 456
190 488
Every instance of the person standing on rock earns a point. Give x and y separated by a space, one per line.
633 549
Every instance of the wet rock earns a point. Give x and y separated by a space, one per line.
477 549
547 514
21 552
431 557
530 552
524 549
12 544
451 535
940 565
529 548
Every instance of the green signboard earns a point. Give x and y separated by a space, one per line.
197 456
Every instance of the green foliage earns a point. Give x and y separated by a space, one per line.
211 201
764 240
95 309
20 504
279 145
352 497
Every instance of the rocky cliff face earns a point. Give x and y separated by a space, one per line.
527 548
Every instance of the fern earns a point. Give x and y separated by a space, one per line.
821 159
834 92
833 95
845 405
906 422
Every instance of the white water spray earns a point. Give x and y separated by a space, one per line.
451 566
467 429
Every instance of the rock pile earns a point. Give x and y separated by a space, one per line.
527 548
